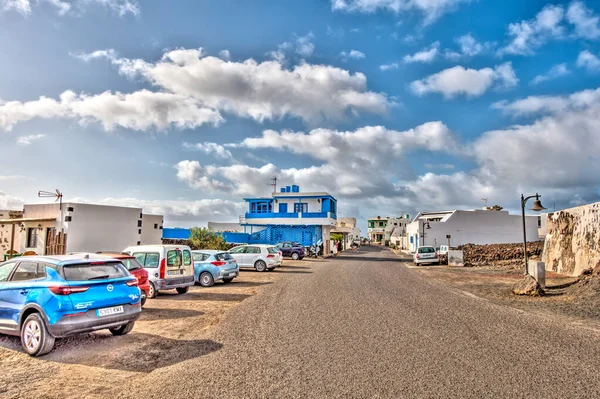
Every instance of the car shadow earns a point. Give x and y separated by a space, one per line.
284 267
291 271
151 314
238 284
204 296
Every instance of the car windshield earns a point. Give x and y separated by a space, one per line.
94 271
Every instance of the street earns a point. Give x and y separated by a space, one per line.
363 325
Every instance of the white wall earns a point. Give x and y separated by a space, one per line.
151 229
475 227
313 204
293 221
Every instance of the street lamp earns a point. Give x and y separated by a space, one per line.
537 206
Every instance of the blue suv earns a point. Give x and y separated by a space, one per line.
48 297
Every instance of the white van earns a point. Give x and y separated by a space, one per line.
169 266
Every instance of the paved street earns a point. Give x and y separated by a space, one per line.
364 325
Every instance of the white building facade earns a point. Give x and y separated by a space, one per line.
469 227
72 227
348 228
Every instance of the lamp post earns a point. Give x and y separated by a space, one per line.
425 226
537 206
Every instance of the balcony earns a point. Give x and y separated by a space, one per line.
290 215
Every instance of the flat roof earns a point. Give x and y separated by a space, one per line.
23 220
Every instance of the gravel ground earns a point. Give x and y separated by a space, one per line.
360 325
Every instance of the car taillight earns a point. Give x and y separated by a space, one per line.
66 290
270 256
162 268
218 263
437 254
417 256
132 283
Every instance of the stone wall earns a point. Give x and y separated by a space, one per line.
573 240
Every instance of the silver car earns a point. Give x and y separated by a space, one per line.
426 254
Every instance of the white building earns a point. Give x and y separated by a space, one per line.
52 229
387 229
348 228
469 227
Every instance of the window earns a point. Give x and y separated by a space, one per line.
300 207
5 269
539 221
272 250
131 263
238 250
156 225
252 250
147 259
223 256
187 257
200 257
28 271
89 271
32 237
139 232
174 258
381 224
139 223
426 250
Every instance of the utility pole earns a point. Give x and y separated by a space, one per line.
274 183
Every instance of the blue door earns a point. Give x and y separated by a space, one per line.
283 208
22 288
5 323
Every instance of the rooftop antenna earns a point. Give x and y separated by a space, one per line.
485 200
274 183
49 194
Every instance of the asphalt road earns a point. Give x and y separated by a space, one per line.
364 325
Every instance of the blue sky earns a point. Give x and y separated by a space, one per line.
391 105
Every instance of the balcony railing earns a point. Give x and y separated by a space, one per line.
290 215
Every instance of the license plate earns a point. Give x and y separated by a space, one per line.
174 273
109 311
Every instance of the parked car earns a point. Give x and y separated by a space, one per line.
260 257
169 266
426 254
442 249
135 268
211 265
47 297
293 250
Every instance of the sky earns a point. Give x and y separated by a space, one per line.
393 106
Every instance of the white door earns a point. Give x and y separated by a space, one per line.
251 256
239 255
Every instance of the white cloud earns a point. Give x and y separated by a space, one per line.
118 7
354 54
528 35
587 25
589 61
304 45
225 55
260 91
470 82
549 104
431 9
387 67
426 55
27 140
469 47
351 161
556 71
140 110
210 149
439 166
8 202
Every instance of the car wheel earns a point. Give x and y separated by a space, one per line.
260 266
206 279
35 338
122 330
295 256
182 290
228 280
152 291
143 299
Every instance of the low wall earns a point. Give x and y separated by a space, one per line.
508 254
573 240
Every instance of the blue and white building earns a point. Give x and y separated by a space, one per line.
288 215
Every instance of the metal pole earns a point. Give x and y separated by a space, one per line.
524 233
12 241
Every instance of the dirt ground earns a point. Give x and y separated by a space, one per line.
98 365
494 283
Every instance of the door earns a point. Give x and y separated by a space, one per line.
283 208
21 288
251 256
5 323
239 254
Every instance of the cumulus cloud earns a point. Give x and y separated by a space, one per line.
225 55
587 25
556 71
118 7
464 81
431 9
468 47
426 55
588 61
354 54
214 149
530 34
140 110
27 140
387 67
351 161
8 202
533 105
260 91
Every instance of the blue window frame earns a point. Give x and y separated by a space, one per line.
300 207
283 208
261 207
